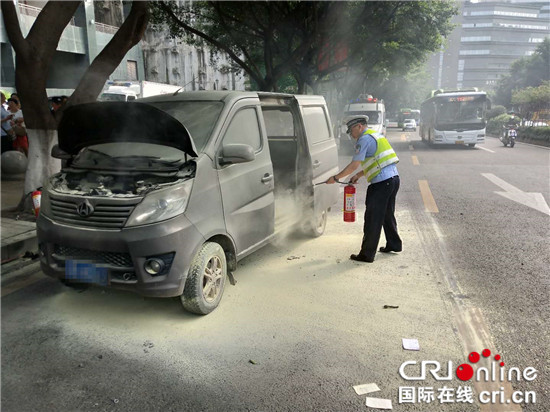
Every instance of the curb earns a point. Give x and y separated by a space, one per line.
18 237
21 244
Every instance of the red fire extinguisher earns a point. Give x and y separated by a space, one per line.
36 196
349 203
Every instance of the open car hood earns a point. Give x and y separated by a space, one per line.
108 122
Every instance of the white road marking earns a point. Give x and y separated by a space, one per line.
484 148
472 328
532 200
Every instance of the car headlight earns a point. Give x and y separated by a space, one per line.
161 205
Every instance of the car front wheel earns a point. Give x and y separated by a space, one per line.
206 280
317 224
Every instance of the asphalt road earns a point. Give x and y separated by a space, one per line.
304 324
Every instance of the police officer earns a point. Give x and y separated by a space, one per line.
378 161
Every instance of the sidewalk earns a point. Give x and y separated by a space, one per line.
17 230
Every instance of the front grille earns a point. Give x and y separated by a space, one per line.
107 214
121 260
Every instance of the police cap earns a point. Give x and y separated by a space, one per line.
356 120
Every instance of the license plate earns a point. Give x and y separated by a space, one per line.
86 272
459 141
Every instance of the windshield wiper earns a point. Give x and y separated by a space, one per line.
136 157
88 150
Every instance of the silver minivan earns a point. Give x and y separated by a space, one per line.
163 196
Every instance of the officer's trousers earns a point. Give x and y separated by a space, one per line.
380 212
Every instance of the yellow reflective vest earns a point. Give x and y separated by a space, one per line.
384 156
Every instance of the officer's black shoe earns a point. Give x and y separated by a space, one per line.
388 250
361 258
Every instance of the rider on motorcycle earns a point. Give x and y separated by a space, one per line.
511 123
509 131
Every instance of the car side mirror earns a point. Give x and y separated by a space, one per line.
236 153
60 154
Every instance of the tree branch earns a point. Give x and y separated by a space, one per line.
44 35
228 30
11 22
166 8
127 36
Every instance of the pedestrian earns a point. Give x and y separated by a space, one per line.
377 159
21 142
7 132
56 103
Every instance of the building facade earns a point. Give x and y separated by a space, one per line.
157 58
81 41
171 61
489 37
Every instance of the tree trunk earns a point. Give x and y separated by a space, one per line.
34 55
40 164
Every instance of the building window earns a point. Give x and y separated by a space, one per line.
471 52
472 25
131 69
522 26
476 38
500 13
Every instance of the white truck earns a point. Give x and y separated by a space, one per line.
364 105
124 91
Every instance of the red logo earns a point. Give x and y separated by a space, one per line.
465 372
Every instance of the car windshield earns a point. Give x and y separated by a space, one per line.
199 117
124 156
112 97
409 121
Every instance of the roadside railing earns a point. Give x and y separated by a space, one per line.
35 11
105 28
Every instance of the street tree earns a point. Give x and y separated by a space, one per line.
33 56
532 99
312 40
530 71
409 90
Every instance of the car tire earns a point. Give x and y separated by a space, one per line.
471 144
206 280
316 226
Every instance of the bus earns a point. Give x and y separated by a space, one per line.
454 117
407 114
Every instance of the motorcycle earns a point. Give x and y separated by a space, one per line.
508 137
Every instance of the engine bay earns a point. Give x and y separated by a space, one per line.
116 184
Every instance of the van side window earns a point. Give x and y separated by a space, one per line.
245 129
278 123
316 124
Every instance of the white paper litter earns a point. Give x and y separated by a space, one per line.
366 388
378 403
411 344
